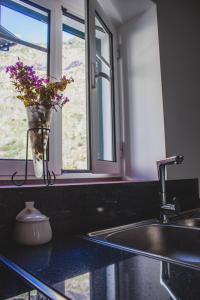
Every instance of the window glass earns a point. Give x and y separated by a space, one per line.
24 35
74 114
104 92
31 28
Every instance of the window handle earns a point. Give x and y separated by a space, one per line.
93 75
102 74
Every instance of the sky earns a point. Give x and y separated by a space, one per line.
24 27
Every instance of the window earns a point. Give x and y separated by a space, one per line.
74 40
74 115
104 91
23 34
105 138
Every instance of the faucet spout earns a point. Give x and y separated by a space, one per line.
161 165
177 159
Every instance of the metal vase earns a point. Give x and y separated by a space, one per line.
39 117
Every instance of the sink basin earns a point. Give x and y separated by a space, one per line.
177 242
173 242
188 219
190 222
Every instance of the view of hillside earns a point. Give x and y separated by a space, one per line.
13 119
74 113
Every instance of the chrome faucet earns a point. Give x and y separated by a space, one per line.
161 165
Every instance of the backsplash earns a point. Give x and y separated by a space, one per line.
88 207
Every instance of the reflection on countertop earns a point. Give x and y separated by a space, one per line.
84 270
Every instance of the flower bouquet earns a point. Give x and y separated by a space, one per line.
40 97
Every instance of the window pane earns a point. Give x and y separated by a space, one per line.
27 23
13 119
103 40
74 114
104 90
104 100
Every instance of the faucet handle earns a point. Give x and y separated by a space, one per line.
171 207
176 204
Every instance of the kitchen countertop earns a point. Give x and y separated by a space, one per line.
81 270
63 260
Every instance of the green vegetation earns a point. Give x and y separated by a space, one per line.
74 113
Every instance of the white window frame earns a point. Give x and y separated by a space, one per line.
101 168
9 166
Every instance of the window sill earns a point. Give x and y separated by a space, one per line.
64 179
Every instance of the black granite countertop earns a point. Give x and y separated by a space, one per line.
83 270
65 262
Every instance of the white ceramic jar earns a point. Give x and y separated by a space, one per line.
32 227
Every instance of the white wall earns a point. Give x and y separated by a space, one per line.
179 37
121 11
141 92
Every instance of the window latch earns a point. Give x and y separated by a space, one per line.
95 75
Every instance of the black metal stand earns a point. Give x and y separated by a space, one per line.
47 177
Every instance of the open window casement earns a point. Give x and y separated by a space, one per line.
104 118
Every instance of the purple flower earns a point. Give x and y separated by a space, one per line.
35 90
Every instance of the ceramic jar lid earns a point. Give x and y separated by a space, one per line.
30 214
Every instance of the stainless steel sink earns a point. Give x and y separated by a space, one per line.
163 240
188 219
188 222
